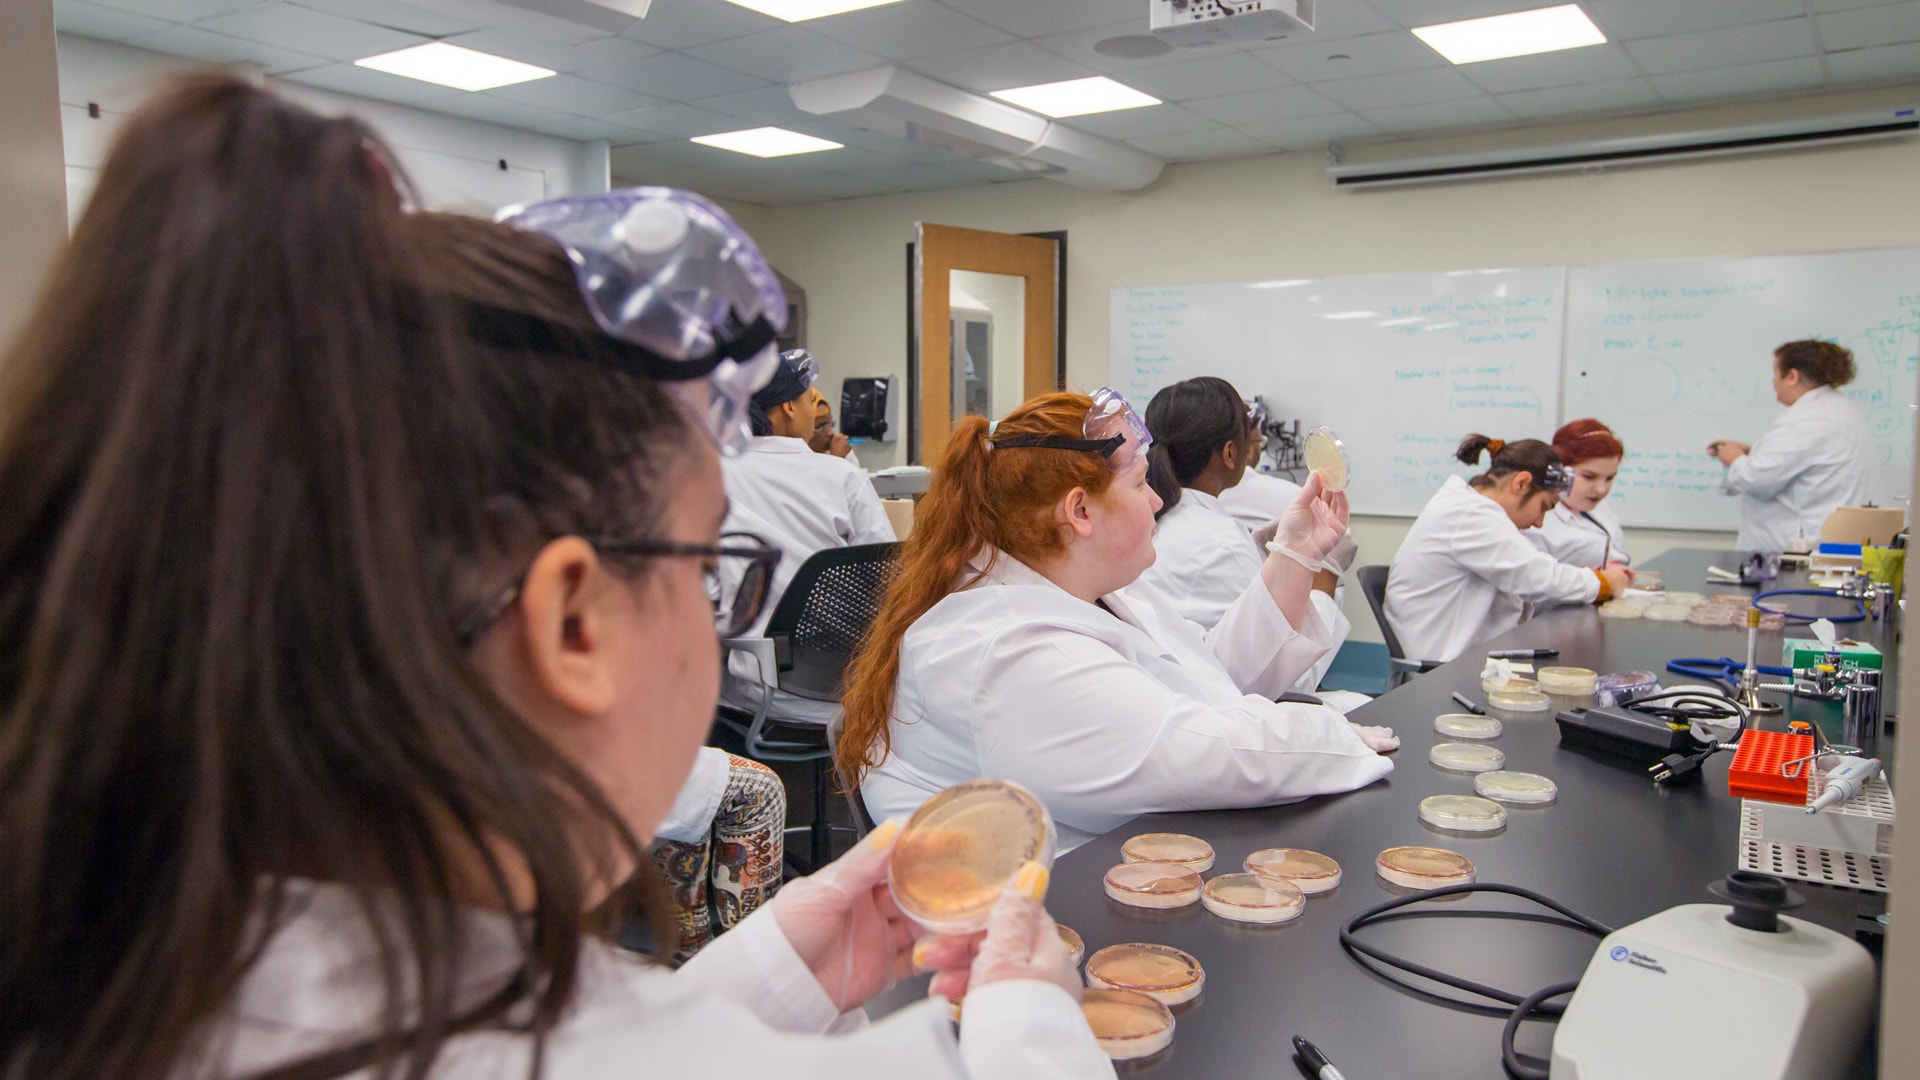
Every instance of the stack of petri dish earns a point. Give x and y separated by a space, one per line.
1667 612
1189 851
1626 607
1569 681
1162 972
1462 725
958 852
1465 757
1153 885
1311 871
1254 898
1127 1024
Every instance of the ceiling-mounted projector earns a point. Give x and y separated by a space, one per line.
1199 23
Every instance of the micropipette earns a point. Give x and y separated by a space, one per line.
1846 781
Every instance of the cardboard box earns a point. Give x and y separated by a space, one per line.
1805 652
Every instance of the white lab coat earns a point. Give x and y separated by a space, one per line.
1204 560
1258 499
1108 714
1811 461
1465 574
801 502
745 1006
1581 539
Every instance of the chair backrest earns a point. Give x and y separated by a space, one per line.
820 619
1373 582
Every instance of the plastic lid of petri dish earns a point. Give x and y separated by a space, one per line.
1423 867
1622 609
1466 757
1127 1023
1325 454
1462 813
1076 948
1254 898
1310 870
1189 851
1568 681
1153 884
960 849
1466 725
1687 598
1525 699
1516 788
1668 612
1162 972
1514 682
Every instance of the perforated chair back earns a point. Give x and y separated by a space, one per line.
832 599
1373 582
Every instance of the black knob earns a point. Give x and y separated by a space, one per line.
1757 899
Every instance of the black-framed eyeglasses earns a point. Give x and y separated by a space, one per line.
738 579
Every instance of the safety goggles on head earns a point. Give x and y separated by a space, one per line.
803 364
670 276
1256 413
1556 478
1112 429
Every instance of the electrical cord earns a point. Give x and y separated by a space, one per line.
1524 1005
1859 614
1695 708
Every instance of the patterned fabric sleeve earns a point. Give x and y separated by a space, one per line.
723 878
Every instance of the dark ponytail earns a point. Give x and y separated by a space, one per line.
1530 456
1190 421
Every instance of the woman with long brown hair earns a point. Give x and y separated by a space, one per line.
354 580
1018 641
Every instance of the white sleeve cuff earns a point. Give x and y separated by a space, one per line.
691 817
754 966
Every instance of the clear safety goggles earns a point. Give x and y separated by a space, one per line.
803 365
1558 479
1256 413
674 279
1112 429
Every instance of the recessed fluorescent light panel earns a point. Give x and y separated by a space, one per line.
802 10
451 65
1522 33
1076 97
766 142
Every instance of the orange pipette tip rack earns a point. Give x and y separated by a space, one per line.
1755 772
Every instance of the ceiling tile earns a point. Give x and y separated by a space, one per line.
297 28
678 77
634 160
1035 18
998 67
787 54
1872 65
1630 20
610 55
676 121
769 105
515 45
1134 123
397 15
1370 54
522 17
97 21
1405 88
495 110
1265 106
1197 145
906 31
378 85
1440 115
574 95
191 41
680 24
1869 27
1776 77
1586 100
1348 18
904 150
1412 13
177 10
1568 67
586 127
1215 76
1313 131
1077 45
1782 39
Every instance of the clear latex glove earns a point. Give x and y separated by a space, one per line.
1312 527
1340 559
843 922
1378 739
1021 942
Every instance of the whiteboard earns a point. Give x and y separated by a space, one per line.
1675 354
1402 366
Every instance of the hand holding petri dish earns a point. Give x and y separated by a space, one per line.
1325 454
958 852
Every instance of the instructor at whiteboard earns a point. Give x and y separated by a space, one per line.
1812 458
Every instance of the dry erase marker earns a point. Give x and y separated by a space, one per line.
1316 1061
1467 703
1522 654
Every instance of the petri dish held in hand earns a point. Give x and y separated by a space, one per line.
960 849
1325 454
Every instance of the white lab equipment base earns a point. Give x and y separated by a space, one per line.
1687 994
1849 846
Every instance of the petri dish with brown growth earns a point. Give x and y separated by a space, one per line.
1127 1023
1153 885
1189 851
1418 867
958 852
1310 870
1253 898
1168 975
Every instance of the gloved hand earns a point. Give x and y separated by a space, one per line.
1021 942
1378 739
1312 527
1340 559
843 922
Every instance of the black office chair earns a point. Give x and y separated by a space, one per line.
1373 582
809 640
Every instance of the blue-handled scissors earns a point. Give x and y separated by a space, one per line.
1724 671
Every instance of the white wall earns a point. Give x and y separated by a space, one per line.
454 161
31 197
1277 216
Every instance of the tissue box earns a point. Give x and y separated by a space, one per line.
1806 652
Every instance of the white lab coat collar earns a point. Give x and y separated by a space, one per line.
777 444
